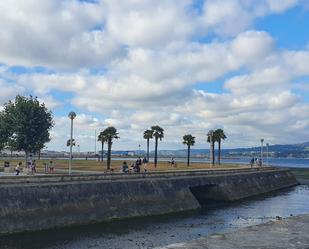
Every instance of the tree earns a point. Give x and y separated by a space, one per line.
157 133
148 136
219 136
109 133
102 139
29 123
189 140
4 131
11 145
211 140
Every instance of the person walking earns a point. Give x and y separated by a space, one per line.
33 167
145 161
51 167
252 162
18 167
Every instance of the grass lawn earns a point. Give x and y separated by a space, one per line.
92 165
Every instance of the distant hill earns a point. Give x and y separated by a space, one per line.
300 150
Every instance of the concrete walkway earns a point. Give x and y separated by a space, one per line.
289 233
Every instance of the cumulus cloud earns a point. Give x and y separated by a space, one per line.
133 64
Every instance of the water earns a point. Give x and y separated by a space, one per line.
163 230
280 162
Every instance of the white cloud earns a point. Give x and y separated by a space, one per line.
149 57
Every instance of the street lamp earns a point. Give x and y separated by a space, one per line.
262 141
211 134
267 145
139 150
95 142
71 115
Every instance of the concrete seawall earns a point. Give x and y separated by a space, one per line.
34 203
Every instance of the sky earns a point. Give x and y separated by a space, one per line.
186 65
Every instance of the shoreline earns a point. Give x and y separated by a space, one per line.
291 232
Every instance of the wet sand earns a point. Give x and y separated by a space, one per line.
289 233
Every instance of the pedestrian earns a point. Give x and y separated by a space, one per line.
252 162
125 167
260 162
33 167
137 168
29 168
145 161
17 169
51 167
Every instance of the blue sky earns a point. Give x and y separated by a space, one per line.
189 66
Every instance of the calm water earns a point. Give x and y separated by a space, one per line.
282 162
163 230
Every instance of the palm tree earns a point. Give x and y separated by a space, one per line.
109 133
148 136
69 142
189 140
219 136
157 133
102 139
211 140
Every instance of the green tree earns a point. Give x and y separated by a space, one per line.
157 133
219 136
29 123
110 133
211 140
189 140
11 145
102 139
148 136
4 131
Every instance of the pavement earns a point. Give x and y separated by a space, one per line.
289 233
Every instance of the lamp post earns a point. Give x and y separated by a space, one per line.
262 141
211 134
95 142
71 115
267 145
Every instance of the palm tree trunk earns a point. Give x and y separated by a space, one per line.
102 143
188 159
219 151
213 152
109 152
26 158
156 152
147 149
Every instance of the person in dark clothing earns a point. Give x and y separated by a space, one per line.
137 168
252 162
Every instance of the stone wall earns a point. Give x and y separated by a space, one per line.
29 203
